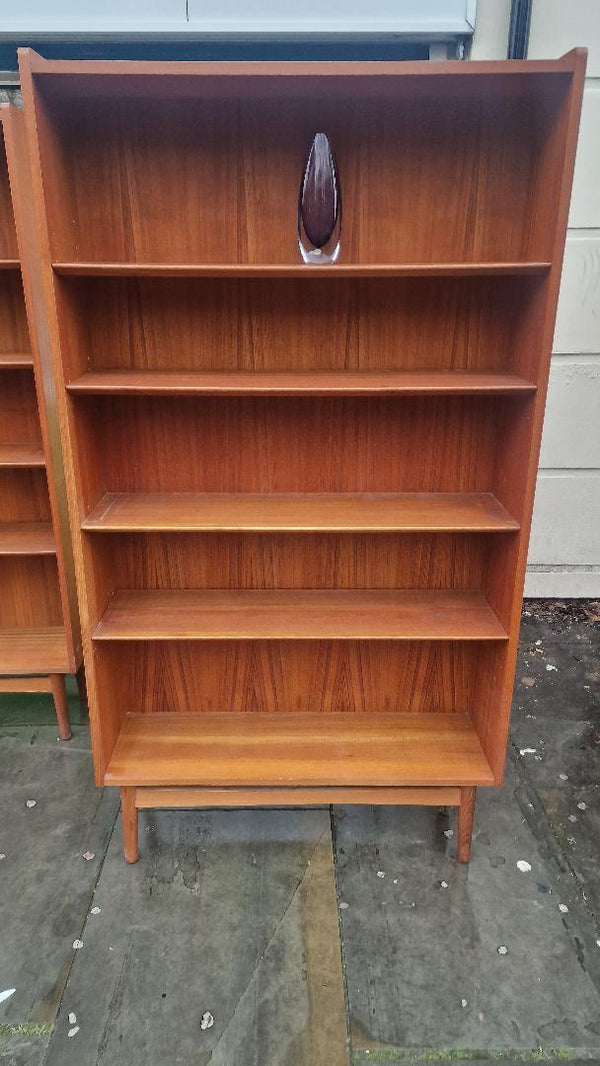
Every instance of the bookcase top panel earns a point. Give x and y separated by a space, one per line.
380 70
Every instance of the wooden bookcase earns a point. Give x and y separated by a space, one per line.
301 495
40 639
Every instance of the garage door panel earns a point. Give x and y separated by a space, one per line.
578 316
572 425
585 201
566 519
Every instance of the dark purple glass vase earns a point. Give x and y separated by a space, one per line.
320 205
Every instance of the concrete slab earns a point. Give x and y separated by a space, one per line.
31 708
45 883
20 1049
231 912
422 962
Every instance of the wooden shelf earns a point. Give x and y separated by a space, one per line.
289 685
297 383
298 614
21 455
16 360
279 750
27 538
10 264
298 270
386 512
33 651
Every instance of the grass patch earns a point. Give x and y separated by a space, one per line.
451 1055
6 1031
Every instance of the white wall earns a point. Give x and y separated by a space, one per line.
564 555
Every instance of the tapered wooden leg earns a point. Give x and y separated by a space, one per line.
59 692
130 824
81 686
466 812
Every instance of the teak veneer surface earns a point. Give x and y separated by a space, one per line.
33 651
22 455
477 512
299 614
297 383
27 538
298 270
284 477
285 749
15 360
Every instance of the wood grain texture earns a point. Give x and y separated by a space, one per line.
25 684
31 549
61 705
299 614
289 561
306 677
30 596
20 419
23 494
15 360
150 798
466 814
308 512
8 236
27 538
141 76
296 383
249 750
31 651
276 270
14 335
21 454
516 477
247 151
374 445
130 824
192 326
449 268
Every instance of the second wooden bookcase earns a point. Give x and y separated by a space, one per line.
301 495
40 639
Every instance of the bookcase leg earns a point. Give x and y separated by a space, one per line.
81 686
130 824
466 812
59 692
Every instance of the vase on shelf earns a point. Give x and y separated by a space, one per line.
320 205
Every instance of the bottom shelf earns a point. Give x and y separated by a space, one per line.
279 750
33 651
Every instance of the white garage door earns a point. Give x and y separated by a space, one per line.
564 557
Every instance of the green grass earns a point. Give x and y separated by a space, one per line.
6 1031
452 1055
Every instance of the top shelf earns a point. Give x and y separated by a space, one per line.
298 270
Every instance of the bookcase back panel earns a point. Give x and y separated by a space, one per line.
425 176
307 324
272 561
256 445
24 496
30 596
8 235
14 336
292 676
19 421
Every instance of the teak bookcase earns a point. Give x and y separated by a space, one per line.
40 639
301 495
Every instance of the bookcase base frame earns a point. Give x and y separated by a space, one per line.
134 799
54 683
